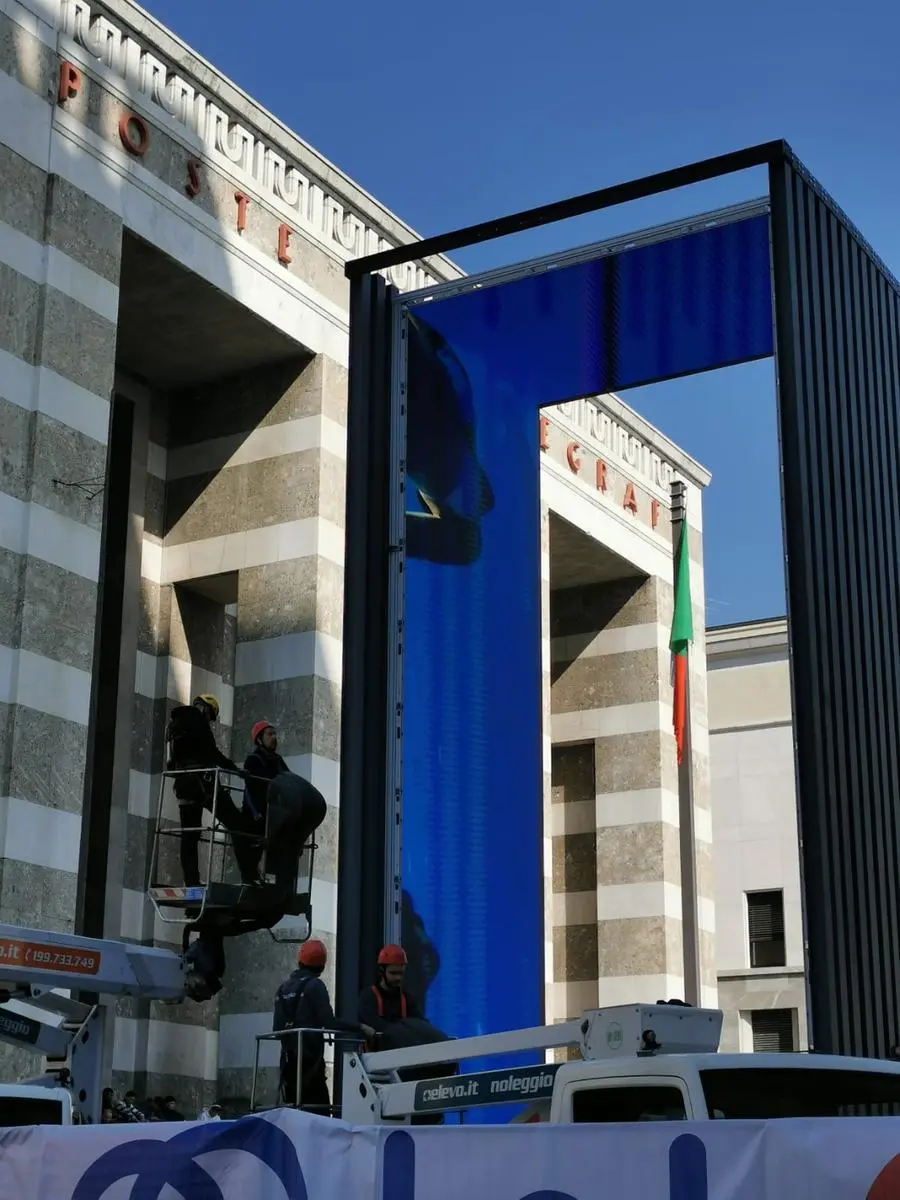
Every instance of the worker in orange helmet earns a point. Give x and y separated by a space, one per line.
302 1002
399 1022
386 1000
261 765
280 804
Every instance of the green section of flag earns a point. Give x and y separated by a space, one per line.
683 618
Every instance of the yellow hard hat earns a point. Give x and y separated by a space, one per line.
209 699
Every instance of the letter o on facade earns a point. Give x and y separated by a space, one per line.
134 134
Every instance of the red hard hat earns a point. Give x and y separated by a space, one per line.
258 728
312 954
392 956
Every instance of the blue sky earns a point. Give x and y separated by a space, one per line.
452 114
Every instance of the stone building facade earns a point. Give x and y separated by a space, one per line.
761 962
173 391
612 821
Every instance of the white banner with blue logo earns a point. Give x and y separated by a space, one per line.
849 1159
289 1156
285 1156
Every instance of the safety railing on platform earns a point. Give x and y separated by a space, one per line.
187 904
334 1038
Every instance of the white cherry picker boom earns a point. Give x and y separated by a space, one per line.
38 970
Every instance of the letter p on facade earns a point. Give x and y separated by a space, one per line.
69 81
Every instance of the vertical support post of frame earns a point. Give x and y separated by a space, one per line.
837 325
361 845
799 588
396 593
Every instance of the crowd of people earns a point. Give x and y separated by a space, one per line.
129 1110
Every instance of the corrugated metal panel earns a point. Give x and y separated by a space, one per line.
837 321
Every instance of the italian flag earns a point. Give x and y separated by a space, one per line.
682 635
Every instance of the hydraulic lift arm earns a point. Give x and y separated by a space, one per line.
110 968
37 969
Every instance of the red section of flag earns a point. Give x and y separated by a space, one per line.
681 637
679 704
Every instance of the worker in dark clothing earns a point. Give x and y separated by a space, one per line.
261 765
280 805
302 1002
191 745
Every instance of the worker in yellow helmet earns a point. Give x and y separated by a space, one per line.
191 746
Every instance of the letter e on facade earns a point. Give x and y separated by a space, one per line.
544 428
654 513
69 82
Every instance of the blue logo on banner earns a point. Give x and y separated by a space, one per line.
158 1163
687 1171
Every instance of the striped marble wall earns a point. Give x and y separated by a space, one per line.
59 269
614 816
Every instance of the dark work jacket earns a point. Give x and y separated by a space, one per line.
391 1006
191 741
302 1002
266 765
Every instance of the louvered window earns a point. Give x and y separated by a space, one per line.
765 919
773 1030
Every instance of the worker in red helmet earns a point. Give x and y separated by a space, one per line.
303 1002
261 765
386 1001
399 1022
283 806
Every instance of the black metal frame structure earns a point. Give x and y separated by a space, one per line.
837 352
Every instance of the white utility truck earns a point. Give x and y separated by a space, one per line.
655 1062
631 1063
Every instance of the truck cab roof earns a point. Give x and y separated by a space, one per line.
665 1064
721 1086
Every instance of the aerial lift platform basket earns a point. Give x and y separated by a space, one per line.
218 896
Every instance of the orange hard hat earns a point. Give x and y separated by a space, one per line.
312 954
392 956
259 728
